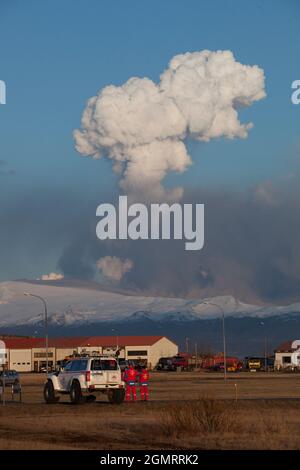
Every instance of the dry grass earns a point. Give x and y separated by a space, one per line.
210 423
206 415
186 412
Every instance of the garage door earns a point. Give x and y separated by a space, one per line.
20 360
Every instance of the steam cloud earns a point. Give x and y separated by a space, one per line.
52 277
142 126
114 268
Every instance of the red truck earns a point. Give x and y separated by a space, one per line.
172 363
181 360
215 363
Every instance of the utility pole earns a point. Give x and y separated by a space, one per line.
3 363
3 385
117 337
262 323
28 294
187 344
224 345
266 355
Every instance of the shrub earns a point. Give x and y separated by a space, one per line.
206 415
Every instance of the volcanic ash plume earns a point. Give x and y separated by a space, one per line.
143 126
114 268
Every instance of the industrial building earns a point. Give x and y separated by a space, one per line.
287 355
29 354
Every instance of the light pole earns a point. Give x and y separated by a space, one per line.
28 294
223 335
117 337
187 344
265 346
266 355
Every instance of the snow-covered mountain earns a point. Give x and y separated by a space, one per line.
76 303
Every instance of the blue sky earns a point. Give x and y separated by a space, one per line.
56 54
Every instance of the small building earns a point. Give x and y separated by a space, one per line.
29 354
287 355
19 353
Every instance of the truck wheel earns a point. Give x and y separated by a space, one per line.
49 393
76 394
116 396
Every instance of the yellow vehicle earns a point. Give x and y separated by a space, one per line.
255 363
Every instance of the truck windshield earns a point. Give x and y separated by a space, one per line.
104 364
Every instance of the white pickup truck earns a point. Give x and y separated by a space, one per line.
84 376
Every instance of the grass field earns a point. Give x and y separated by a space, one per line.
186 411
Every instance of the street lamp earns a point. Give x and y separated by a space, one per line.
187 344
265 346
28 294
117 337
223 334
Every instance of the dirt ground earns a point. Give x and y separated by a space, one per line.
186 411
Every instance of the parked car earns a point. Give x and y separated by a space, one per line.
11 377
44 369
82 377
165 363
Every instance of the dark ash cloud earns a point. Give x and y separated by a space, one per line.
251 251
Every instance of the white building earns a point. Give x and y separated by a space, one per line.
29 354
287 356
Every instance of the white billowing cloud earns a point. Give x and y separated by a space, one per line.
114 268
142 126
52 277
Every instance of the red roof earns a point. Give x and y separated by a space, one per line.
285 347
121 340
81 341
66 342
20 343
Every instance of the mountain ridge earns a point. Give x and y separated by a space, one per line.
72 303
